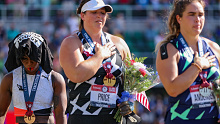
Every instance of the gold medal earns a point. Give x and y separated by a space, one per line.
29 119
108 81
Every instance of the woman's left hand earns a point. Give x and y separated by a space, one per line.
105 51
205 61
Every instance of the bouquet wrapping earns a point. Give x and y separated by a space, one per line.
137 79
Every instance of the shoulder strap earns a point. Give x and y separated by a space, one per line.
107 37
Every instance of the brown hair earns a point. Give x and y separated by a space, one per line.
179 7
78 11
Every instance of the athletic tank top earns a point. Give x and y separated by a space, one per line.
43 100
183 106
79 95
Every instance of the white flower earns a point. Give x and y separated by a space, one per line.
138 65
134 71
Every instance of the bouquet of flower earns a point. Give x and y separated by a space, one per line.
137 79
216 89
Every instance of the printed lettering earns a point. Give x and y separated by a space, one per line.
199 97
101 105
103 97
35 38
205 105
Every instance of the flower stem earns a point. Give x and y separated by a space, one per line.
118 116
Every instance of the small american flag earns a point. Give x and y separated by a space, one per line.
142 98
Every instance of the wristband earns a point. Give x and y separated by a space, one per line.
200 69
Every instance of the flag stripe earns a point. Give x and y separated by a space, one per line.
142 98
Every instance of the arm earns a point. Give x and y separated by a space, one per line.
75 67
59 98
168 71
5 96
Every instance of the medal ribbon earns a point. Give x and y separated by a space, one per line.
201 53
203 76
29 100
90 41
107 66
106 63
185 45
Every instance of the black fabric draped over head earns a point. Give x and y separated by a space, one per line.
34 46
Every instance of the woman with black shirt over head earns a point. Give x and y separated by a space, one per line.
36 90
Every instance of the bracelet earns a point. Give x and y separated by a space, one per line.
200 69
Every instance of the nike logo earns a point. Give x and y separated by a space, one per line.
45 77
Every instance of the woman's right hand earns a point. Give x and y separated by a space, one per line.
205 61
105 51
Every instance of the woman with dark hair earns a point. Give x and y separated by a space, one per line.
187 64
35 89
92 61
